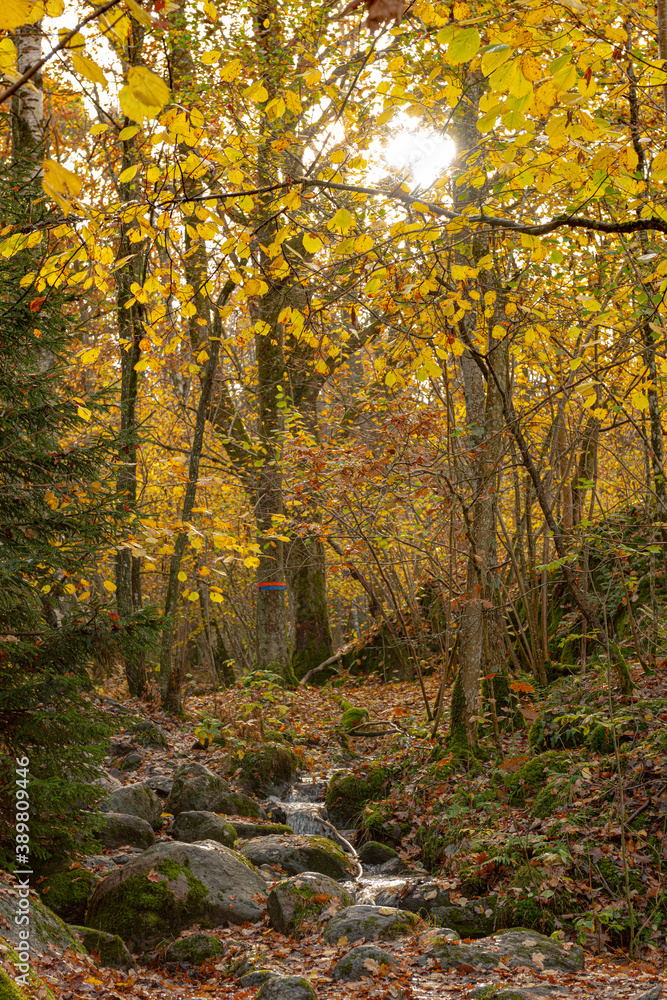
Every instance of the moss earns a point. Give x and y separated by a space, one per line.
347 794
9 990
270 765
533 775
67 893
195 949
111 950
354 717
558 792
600 739
458 740
500 993
144 910
509 714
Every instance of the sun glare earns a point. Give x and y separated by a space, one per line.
423 154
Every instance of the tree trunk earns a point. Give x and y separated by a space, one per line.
130 332
28 129
306 574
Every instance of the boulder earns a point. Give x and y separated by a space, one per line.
173 886
501 992
107 781
347 794
369 922
362 962
469 917
12 960
194 949
132 762
119 830
109 949
189 827
268 770
46 930
67 892
303 899
196 788
161 784
251 980
138 799
286 988
512 948
149 734
248 831
374 853
298 854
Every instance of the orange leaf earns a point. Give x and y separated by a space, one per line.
37 304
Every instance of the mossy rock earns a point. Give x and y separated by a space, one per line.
600 739
347 794
286 988
375 853
296 903
173 886
194 949
29 986
249 831
356 965
67 893
191 827
110 949
268 770
520 947
47 930
558 793
369 922
354 717
533 775
301 853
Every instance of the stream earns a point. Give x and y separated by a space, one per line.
304 809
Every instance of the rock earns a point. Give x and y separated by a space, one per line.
108 782
369 922
248 831
198 789
269 770
173 886
374 853
161 784
513 948
131 762
347 794
300 854
189 827
149 734
194 949
303 899
121 748
651 994
46 930
286 988
9 987
361 962
256 978
67 892
139 800
428 938
117 830
473 918
109 948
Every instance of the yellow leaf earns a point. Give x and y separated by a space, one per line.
230 71
256 92
531 68
311 243
498 332
210 10
457 348
128 132
77 41
127 174
494 56
54 8
341 222
108 585
89 69
461 271
193 596
140 15
293 103
92 354
14 13
145 94
182 576
639 400
338 156
208 58
363 244
386 116
8 57
216 598
83 412
153 174
99 129
69 588
60 179
464 46
251 562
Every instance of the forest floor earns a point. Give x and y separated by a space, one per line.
428 793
